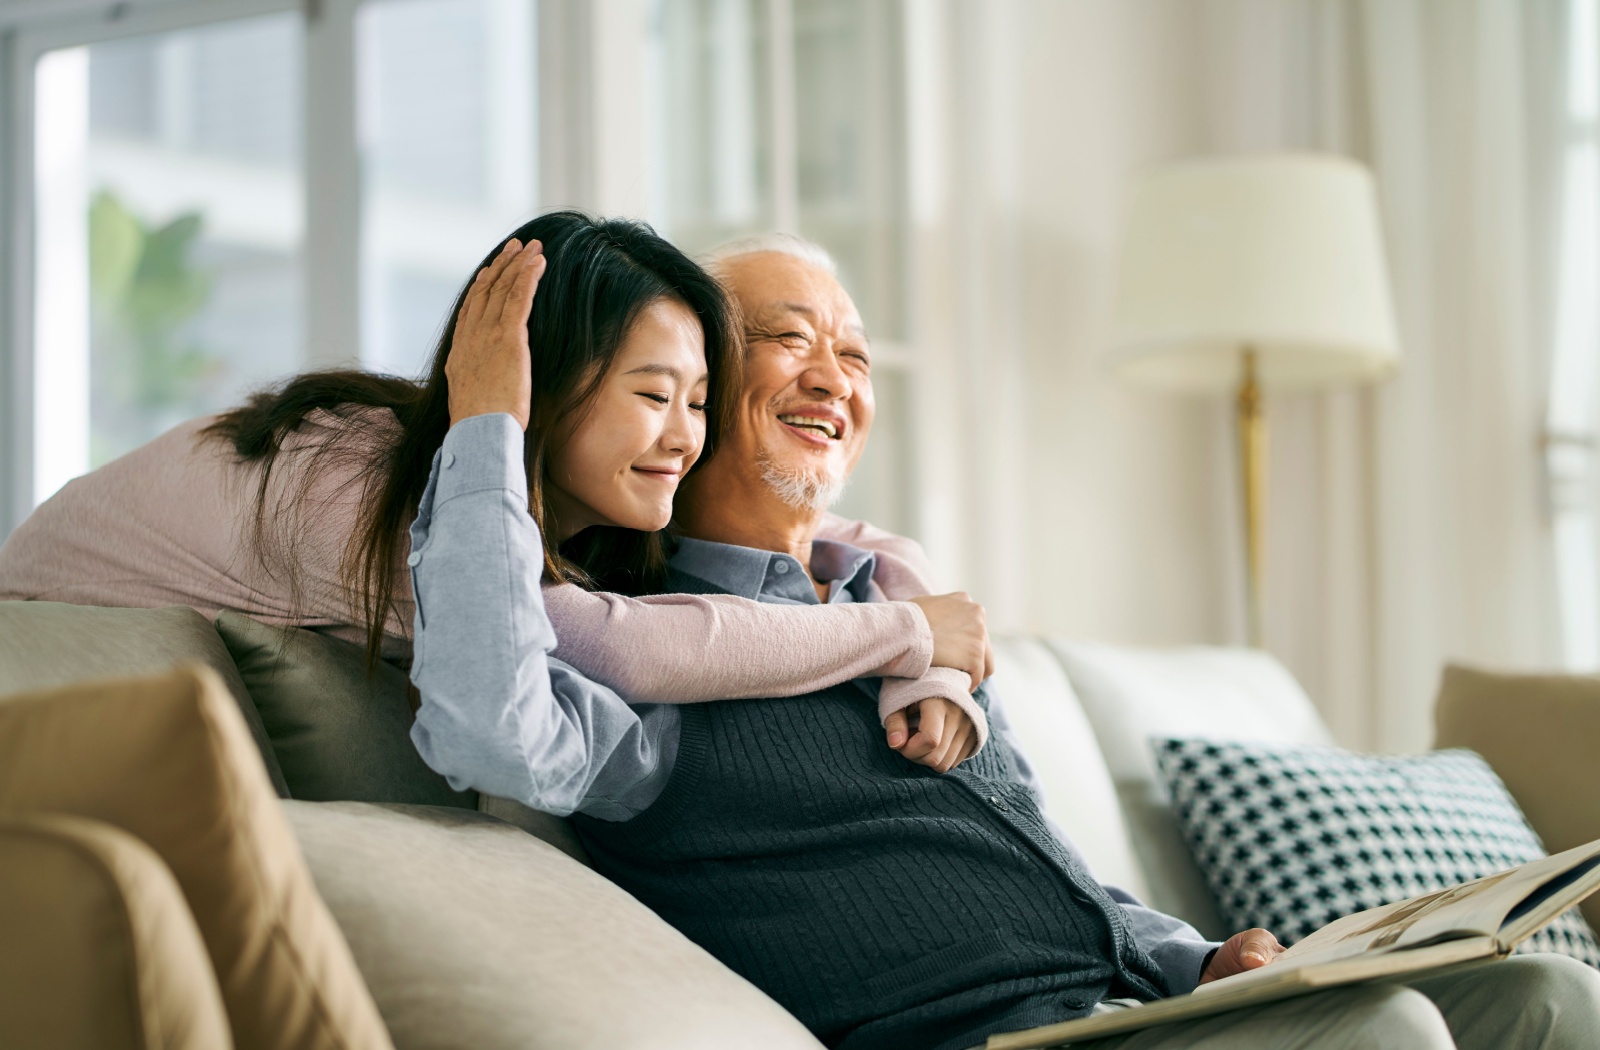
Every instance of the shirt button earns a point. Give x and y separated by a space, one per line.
449 460
414 557
781 568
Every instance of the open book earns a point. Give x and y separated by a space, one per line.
1482 919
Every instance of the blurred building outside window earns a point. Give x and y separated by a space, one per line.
169 219
448 119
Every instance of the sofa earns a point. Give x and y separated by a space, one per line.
476 922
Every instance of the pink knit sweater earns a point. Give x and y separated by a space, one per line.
171 523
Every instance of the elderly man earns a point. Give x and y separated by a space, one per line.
884 903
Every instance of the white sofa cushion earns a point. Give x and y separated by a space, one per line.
1059 743
1132 694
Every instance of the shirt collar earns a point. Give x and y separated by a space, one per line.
751 573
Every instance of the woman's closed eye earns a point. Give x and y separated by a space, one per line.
664 399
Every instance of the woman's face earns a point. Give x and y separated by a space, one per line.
618 459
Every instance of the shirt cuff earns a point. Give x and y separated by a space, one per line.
1182 962
482 453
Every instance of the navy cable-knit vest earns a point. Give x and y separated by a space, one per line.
882 904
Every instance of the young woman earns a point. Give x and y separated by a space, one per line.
294 507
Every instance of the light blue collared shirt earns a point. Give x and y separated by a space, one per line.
501 715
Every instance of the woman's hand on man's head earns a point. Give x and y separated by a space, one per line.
934 732
489 368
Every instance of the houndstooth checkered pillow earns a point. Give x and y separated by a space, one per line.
1292 838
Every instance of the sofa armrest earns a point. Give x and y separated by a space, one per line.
1541 734
100 950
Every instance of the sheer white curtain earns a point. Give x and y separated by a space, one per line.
1410 523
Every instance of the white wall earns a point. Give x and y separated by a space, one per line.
1128 506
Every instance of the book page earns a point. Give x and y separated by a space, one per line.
1473 909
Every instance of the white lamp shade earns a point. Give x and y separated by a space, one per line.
1282 255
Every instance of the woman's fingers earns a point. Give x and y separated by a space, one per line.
894 728
507 267
930 731
519 299
477 292
960 743
959 732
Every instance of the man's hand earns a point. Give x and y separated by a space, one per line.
933 732
960 635
489 368
1249 950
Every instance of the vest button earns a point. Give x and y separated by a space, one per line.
781 568
998 802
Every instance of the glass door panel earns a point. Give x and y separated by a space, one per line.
448 111
850 129
708 104
169 218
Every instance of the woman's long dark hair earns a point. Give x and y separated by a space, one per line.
600 274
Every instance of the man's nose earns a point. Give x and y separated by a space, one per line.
824 378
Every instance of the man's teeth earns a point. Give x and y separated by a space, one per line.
811 421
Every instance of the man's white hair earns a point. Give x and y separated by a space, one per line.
783 243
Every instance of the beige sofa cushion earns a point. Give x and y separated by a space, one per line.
472 933
168 759
46 644
1541 733
98 950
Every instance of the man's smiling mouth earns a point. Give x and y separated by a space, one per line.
812 423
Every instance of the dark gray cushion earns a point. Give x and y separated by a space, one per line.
340 734
49 644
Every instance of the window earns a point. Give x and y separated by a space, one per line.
449 134
202 196
167 235
1570 437
778 115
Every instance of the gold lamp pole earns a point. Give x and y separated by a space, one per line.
1253 457
1277 262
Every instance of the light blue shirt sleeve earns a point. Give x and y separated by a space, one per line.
1178 949
498 714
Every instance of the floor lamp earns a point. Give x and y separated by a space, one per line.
1254 273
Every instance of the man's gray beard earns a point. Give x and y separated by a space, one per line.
799 488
